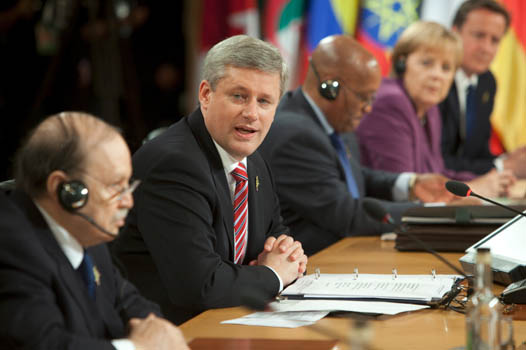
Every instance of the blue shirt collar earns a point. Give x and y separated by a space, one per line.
319 114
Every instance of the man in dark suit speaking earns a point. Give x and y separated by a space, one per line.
203 230
58 286
320 185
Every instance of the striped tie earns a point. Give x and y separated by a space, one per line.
240 212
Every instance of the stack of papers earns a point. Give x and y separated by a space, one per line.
419 289
317 295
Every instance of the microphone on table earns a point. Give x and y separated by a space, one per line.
378 212
462 190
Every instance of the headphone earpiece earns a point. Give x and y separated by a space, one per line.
399 66
72 195
329 89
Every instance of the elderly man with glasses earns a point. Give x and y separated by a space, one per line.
58 286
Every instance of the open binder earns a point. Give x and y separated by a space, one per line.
451 228
411 289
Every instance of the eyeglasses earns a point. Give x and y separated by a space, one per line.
117 192
367 100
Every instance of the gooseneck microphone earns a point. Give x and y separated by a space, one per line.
94 223
462 190
378 212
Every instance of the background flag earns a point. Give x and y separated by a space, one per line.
509 67
283 28
220 20
381 23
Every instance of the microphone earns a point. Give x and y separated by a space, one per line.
97 226
462 190
378 212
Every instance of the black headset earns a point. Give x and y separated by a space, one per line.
72 195
399 66
327 88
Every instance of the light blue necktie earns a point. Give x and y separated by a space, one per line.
342 154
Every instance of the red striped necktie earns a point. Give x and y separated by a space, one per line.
240 212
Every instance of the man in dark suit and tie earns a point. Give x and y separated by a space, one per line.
206 226
466 111
320 185
58 286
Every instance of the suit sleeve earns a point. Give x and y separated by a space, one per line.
390 153
309 182
176 213
29 308
125 297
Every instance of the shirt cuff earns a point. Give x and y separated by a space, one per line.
401 186
279 279
123 344
499 162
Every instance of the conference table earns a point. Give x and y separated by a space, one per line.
424 329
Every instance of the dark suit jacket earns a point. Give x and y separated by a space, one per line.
473 155
312 189
43 300
177 244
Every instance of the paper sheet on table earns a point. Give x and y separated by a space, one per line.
289 319
372 307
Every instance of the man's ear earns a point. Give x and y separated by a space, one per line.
204 94
53 181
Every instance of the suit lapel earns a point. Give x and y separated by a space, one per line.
254 243
71 279
197 125
454 104
302 101
67 275
105 304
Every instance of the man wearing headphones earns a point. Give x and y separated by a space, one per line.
58 286
319 184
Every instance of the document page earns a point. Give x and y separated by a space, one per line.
369 307
403 287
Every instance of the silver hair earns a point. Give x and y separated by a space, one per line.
243 51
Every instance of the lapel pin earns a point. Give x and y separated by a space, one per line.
485 97
96 274
257 183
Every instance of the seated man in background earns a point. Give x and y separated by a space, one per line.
58 286
203 231
320 184
466 111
